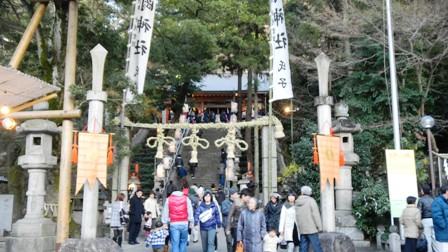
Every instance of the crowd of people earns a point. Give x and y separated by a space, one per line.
192 211
428 214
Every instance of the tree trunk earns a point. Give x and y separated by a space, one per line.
421 110
240 84
248 131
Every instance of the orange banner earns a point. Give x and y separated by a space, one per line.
329 150
92 159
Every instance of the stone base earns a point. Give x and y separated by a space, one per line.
335 242
16 244
2 244
346 224
362 244
34 228
97 245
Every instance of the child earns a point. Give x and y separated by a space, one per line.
271 240
157 238
148 223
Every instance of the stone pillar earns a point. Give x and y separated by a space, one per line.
323 103
265 162
34 232
96 98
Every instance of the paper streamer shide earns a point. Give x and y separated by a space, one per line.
281 79
142 23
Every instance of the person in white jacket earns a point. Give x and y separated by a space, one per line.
152 206
288 228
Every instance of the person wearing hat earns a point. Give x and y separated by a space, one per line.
309 220
288 227
272 212
136 211
208 216
225 209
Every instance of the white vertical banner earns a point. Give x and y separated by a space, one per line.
142 22
281 84
402 179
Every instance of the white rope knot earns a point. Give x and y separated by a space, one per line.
159 141
194 141
231 141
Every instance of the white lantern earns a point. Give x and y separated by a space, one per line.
233 118
233 107
177 134
167 162
172 147
185 108
160 171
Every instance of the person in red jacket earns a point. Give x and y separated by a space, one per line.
178 213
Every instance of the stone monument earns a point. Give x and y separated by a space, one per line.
35 232
345 128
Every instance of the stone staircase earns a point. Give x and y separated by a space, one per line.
207 170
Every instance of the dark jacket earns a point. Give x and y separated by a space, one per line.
272 212
182 172
225 209
440 218
424 204
179 161
214 222
234 213
136 209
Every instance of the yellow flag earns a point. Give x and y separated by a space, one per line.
329 150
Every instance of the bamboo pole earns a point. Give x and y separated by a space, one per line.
27 36
67 128
31 103
44 114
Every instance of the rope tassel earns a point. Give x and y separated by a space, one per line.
75 148
110 152
315 154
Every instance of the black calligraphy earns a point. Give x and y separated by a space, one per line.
143 24
281 41
282 82
281 66
140 47
147 4
278 16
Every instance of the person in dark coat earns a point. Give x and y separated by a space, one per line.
272 212
424 204
136 211
221 196
179 161
251 227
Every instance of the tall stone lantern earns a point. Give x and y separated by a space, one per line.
35 232
345 128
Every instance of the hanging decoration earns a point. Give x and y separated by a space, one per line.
230 170
160 171
194 141
110 152
167 162
329 163
231 141
92 159
75 147
315 153
159 141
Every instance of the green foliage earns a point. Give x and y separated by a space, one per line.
371 206
144 157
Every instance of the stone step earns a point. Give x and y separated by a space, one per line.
361 244
354 233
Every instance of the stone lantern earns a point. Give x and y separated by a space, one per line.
35 232
345 128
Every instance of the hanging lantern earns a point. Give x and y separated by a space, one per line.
172 146
315 154
177 134
233 118
182 118
160 171
185 108
167 163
